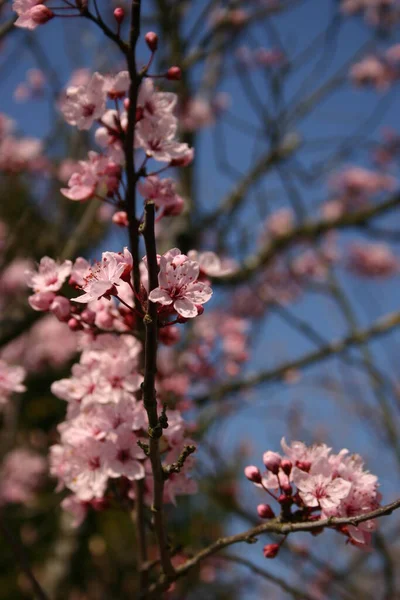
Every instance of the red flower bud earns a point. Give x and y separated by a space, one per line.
265 511
119 14
286 466
253 474
120 218
271 550
74 324
151 40
174 74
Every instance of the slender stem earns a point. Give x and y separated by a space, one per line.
20 555
149 393
272 526
141 533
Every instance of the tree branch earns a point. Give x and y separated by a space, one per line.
379 327
272 526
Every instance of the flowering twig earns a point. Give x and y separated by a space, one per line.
272 526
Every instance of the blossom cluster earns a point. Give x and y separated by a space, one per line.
21 473
85 104
11 378
377 71
181 291
105 420
18 154
311 483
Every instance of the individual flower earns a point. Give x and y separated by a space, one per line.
157 139
21 474
83 104
318 488
50 275
11 378
99 175
117 85
103 277
178 285
161 191
373 260
31 13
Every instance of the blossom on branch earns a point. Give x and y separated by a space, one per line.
317 484
11 378
178 285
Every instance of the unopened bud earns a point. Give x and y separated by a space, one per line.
272 460
287 489
120 218
174 74
303 465
271 550
151 40
286 466
253 474
74 324
61 308
265 511
119 14
285 500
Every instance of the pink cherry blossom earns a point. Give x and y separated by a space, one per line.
11 378
99 175
319 488
50 275
31 13
83 104
123 456
372 71
117 85
21 474
373 260
178 285
157 139
161 191
102 279
154 104
212 265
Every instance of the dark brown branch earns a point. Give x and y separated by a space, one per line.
272 526
149 392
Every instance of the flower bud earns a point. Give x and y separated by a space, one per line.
61 308
272 460
265 511
303 465
40 14
74 324
119 14
286 466
88 316
120 218
287 489
151 40
41 301
174 74
271 550
285 500
253 474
